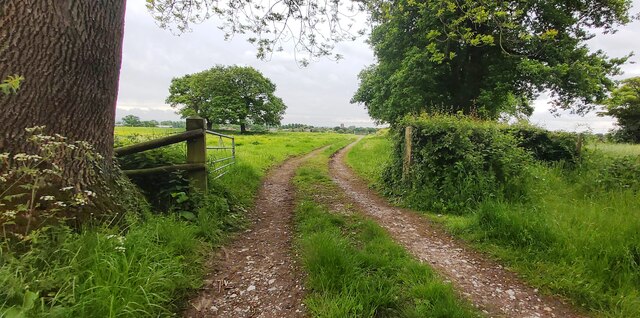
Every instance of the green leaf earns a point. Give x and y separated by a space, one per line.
189 216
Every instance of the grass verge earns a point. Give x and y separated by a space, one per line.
354 269
580 237
149 265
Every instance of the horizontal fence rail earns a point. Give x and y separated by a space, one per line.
160 142
164 169
198 162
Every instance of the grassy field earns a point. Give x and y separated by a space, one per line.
147 266
354 269
616 149
145 131
578 238
255 154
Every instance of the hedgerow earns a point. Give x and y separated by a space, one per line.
456 163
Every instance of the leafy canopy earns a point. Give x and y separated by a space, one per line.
227 95
624 105
488 58
312 27
131 121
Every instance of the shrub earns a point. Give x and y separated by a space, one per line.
457 163
599 172
159 189
544 145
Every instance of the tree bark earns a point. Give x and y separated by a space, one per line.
69 52
243 128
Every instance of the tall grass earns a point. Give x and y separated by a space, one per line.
579 237
616 149
146 131
369 158
104 273
147 266
354 269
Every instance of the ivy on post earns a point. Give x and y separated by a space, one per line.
197 153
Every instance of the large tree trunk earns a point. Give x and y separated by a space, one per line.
69 52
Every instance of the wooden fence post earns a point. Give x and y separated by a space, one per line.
406 163
579 145
197 153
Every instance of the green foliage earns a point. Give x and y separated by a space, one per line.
373 157
624 105
487 58
227 95
337 129
607 173
578 238
354 269
134 121
33 187
317 25
157 188
145 266
457 163
103 272
131 121
545 145
11 84
615 149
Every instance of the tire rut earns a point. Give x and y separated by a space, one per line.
496 291
256 275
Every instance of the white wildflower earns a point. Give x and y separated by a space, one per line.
121 249
60 203
80 199
66 188
20 157
32 129
47 198
90 193
4 155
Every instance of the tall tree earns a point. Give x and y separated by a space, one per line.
131 121
624 105
69 53
488 58
227 95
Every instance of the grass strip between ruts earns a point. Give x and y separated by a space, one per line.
353 267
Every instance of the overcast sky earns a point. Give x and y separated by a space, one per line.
318 94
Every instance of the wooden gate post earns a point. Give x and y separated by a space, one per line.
579 145
197 153
406 163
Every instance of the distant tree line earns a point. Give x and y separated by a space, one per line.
337 129
134 121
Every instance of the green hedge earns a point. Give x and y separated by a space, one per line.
544 145
457 163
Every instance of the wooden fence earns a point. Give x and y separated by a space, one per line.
196 165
